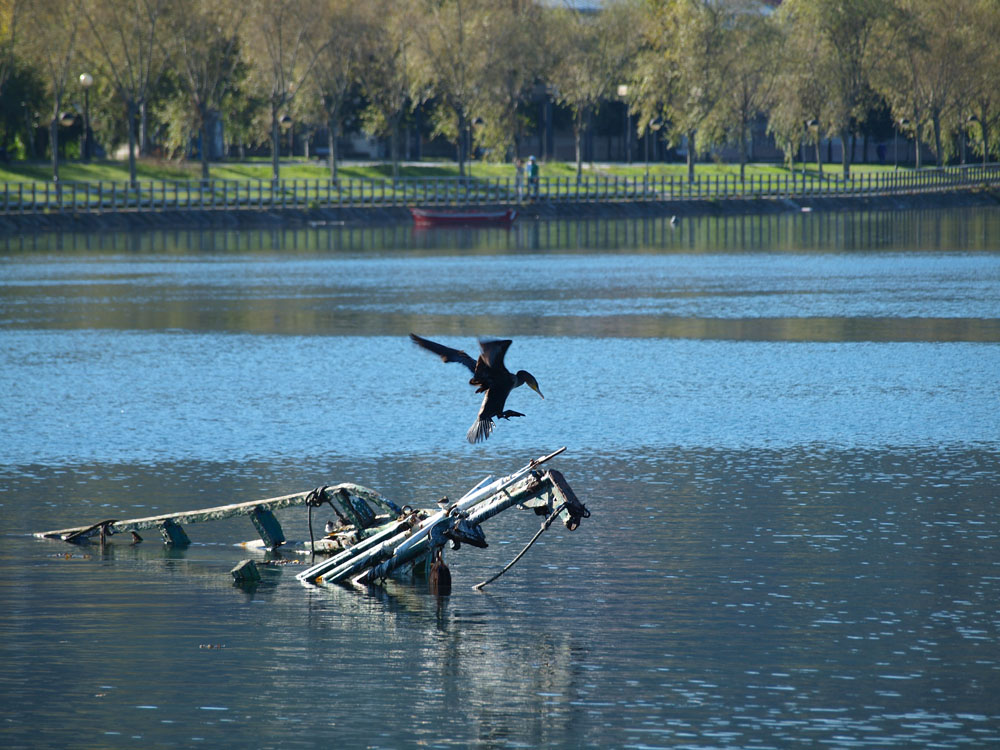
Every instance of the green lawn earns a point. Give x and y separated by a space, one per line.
113 171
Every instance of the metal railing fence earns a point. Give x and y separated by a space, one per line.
230 195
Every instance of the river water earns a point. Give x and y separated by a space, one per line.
786 429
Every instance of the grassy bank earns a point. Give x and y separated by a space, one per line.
149 169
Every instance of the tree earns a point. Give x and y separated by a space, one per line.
701 60
279 42
447 64
850 37
984 71
746 92
800 101
21 98
338 55
124 40
652 83
50 39
684 68
926 68
384 71
515 56
592 52
11 14
245 112
206 39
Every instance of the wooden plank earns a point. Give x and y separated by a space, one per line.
219 512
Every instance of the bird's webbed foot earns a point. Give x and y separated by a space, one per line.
508 414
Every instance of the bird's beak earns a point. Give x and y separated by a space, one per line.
534 387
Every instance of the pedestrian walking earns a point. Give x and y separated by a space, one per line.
533 177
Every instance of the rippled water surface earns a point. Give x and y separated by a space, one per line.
786 429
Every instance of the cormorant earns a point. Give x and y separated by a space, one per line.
490 376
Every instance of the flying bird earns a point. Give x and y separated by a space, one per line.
490 376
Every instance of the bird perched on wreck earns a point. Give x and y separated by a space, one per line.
489 375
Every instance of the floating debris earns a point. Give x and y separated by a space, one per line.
246 572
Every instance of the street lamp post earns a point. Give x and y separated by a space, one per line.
654 126
65 118
86 81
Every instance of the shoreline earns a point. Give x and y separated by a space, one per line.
540 211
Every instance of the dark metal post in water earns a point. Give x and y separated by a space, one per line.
268 527
174 534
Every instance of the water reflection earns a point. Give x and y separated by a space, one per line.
968 229
711 286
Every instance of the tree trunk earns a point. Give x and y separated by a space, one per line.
143 129
204 150
394 149
986 140
275 144
578 143
845 153
331 145
743 148
204 143
132 113
29 128
936 122
918 132
463 135
819 150
54 144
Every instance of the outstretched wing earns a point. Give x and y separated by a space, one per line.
494 351
446 353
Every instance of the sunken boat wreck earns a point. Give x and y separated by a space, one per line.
374 539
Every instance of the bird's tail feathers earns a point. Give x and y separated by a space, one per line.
480 430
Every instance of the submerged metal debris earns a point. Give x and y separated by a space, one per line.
373 538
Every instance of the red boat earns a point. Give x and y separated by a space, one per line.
426 217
